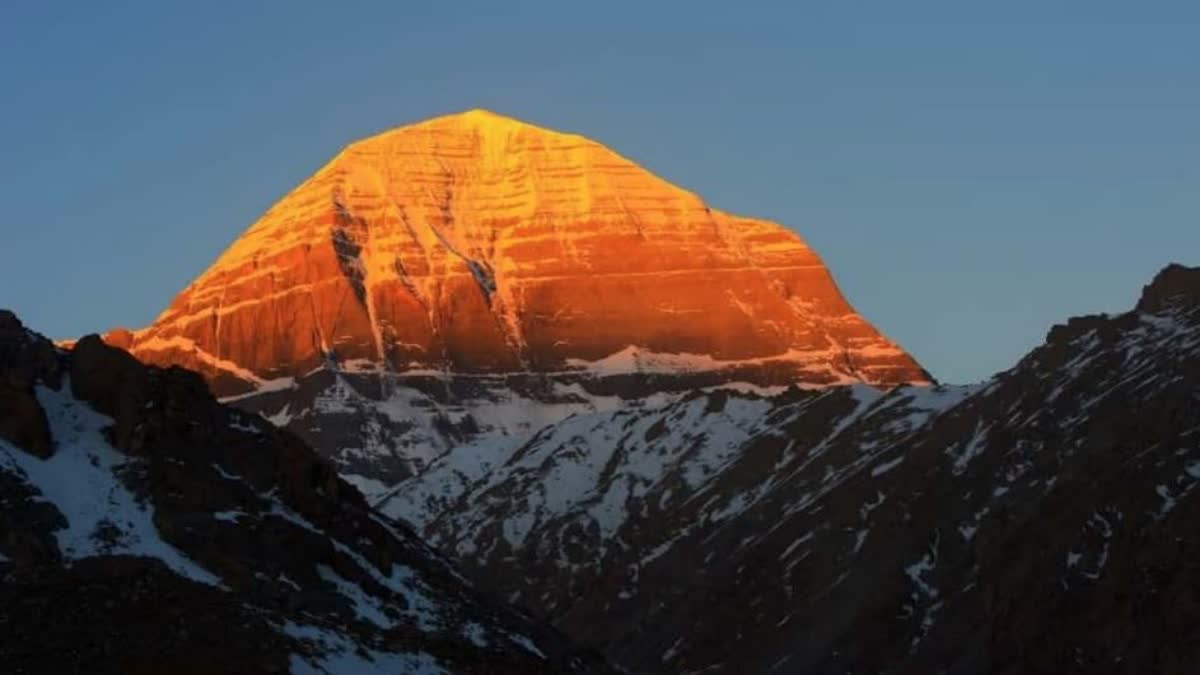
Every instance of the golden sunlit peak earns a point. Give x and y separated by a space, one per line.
477 122
483 114
477 119
458 235
489 132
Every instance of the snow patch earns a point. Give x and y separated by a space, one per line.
366 606
475 634
526 644
887 466
81 480
340 655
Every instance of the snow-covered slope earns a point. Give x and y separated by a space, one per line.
380 430
82 480
592 500
1036 523
146 528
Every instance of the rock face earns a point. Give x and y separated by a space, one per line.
475 243
459 283
145 528
1043 522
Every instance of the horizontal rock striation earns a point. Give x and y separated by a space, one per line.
478 244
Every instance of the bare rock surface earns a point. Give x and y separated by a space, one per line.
476 243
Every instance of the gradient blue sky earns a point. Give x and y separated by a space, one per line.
971 172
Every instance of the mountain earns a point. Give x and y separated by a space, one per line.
145 528
661 429
466 280
1041 522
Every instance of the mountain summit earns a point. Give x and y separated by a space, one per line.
475 243
438 293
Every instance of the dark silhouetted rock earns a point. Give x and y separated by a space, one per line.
170 533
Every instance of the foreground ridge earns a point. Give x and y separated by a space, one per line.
1043 521
146 528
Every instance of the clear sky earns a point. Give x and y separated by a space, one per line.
972 172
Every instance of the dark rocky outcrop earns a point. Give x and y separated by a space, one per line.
23 360
1174 284
169 533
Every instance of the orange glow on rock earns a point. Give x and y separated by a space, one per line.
478 243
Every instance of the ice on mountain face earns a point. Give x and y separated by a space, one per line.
526 644
505 423
971 449
860 538
1192 469
282 417
229 516
405 431
244 427
449 443
880 469
401 579
924 591
1179 489
638 360
337 654
366 606
924 595
865 510
796 544
225 474
602 472
921 403
368 486
476 634
338 398
916 571
418 500
82 480
589 468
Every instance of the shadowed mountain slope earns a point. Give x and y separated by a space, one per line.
1043 522
145 528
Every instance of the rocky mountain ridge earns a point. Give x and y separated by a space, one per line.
145 528
1040 522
